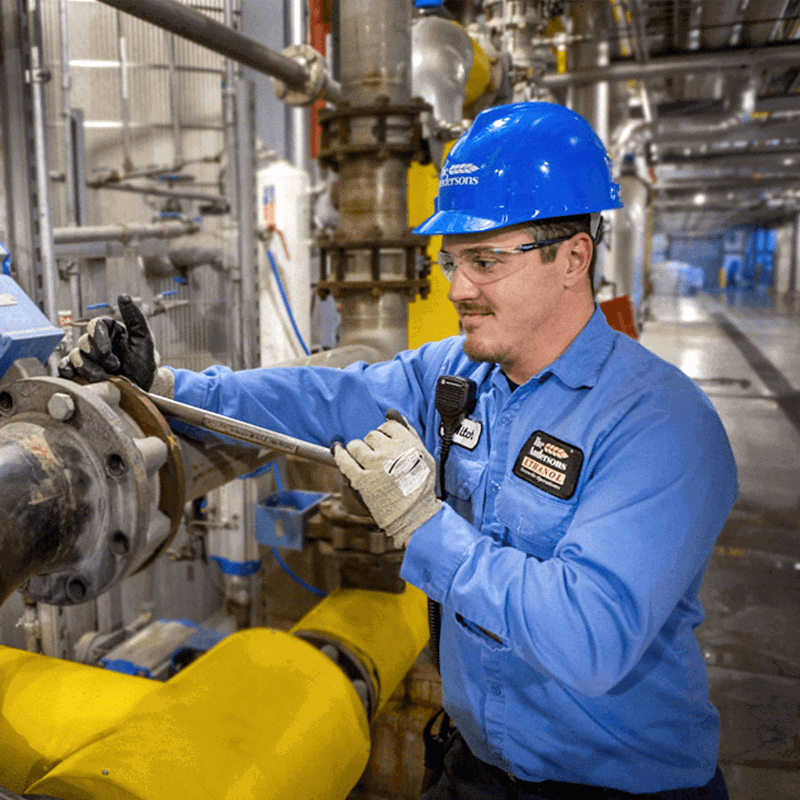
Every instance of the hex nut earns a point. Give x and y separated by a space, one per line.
61 406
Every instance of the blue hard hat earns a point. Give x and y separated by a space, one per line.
522 162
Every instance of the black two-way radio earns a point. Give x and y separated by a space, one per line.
455 400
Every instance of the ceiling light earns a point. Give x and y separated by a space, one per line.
700 199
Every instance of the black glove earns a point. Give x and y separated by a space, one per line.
110 347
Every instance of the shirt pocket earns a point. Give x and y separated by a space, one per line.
536 522
462 479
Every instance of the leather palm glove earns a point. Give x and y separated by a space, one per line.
110 347
394 475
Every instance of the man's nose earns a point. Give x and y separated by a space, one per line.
461 288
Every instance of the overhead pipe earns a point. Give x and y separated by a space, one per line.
195 26
745 58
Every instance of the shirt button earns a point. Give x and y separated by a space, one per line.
495 688
495 487
505 419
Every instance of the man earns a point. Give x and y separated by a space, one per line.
581 497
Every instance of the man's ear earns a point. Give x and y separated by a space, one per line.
579 256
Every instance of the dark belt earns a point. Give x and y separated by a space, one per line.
552 790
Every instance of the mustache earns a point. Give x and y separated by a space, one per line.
473 308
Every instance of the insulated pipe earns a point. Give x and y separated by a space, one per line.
195 26
763 57
291 724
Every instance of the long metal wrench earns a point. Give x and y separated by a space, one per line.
244 431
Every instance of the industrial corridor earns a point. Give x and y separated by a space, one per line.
319 420
741 346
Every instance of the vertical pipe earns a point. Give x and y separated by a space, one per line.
246 167
233 191
591 102
174 101
47 250
66 115
125 102
794 267
72 215
300 117
375 62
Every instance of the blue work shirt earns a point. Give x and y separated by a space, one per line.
581 512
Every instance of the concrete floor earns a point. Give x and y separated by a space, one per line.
741 348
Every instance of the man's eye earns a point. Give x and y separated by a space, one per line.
484 264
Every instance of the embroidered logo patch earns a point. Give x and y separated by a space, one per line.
468 434
550 465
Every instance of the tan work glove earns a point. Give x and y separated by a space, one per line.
395 476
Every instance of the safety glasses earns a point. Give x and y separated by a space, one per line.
486 264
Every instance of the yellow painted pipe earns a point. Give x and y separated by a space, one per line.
386 631
263 714
479 74
51 708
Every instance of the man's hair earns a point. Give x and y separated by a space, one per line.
553 227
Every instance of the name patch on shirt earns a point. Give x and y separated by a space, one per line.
468 434
550 464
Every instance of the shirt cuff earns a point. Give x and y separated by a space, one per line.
435 552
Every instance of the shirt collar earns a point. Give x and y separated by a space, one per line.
580 364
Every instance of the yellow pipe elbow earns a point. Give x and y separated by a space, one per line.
385 631
263 714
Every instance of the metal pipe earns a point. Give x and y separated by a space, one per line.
301 123
198 28
749 58
46 248
66 115
248 220
122 233
37 520
219 202
71 212
794 269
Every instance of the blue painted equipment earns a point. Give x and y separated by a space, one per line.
25 332
281 518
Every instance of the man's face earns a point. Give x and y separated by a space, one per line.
504 318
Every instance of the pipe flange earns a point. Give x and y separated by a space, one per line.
384 130
363 677
172 498
111 466
333 269
411 287
317 70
